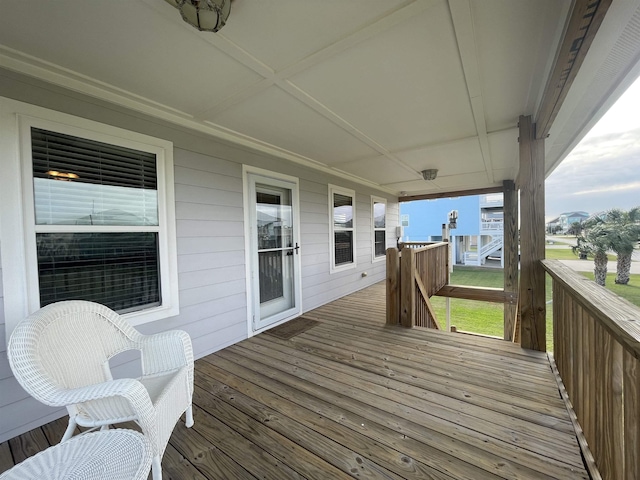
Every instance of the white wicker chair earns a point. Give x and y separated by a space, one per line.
114 454
60 355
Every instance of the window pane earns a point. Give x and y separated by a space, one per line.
380 243
379 214
119 270
342 211
344 247
84 182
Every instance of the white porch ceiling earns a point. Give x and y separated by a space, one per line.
372 90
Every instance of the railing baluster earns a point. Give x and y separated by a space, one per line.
429 262
631 372
597 352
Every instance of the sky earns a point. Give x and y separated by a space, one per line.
603 170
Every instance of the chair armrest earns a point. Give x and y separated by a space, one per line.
111 401
166 351
129 389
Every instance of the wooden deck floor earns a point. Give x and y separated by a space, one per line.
353 398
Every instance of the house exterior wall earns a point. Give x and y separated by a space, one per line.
427 216
210 236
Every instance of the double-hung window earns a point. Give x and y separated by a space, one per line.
342 221
378 219
98 216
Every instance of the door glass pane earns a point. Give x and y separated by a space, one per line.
274 217
270 275
275 275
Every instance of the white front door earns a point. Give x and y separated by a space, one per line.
275 249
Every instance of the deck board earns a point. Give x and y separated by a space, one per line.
352 397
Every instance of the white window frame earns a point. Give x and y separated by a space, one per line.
349 193
17 224
374 257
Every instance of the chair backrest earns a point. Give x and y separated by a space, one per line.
67 345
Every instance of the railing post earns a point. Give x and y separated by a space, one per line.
408 288
510 255
393 286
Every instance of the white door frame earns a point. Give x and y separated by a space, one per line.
253 298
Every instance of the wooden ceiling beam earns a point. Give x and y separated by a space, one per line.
449 194
584 22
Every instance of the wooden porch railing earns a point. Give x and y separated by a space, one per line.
402 245
413 276
416 273
596 345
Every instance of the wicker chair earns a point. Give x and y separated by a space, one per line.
114 454
60 355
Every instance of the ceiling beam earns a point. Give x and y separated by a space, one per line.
449 194
582 26
407 10
463 27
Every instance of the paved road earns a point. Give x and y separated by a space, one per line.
587 266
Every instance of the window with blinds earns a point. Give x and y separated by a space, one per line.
342 205
379 215
96 222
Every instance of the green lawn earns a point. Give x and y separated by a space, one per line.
487 318
629 292
567 254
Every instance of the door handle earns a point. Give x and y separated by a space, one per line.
296 248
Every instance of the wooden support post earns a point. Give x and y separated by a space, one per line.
393 286
407 288
532 232
510 252
450 262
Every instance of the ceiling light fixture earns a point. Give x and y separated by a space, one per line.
430 174
205 15
62 175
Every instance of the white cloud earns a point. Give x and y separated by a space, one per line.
612 189
603 171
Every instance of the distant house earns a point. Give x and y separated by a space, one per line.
563 222
479 231
553 226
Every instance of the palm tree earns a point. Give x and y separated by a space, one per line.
624 237
596 240
575 228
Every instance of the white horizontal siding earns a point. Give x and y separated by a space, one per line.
210 239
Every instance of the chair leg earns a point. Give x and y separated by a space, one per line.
156 468
188 421
68 433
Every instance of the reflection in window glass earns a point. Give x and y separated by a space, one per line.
274 216
342 211
78 181
342 205
83 184
379 212
119 270
343 247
